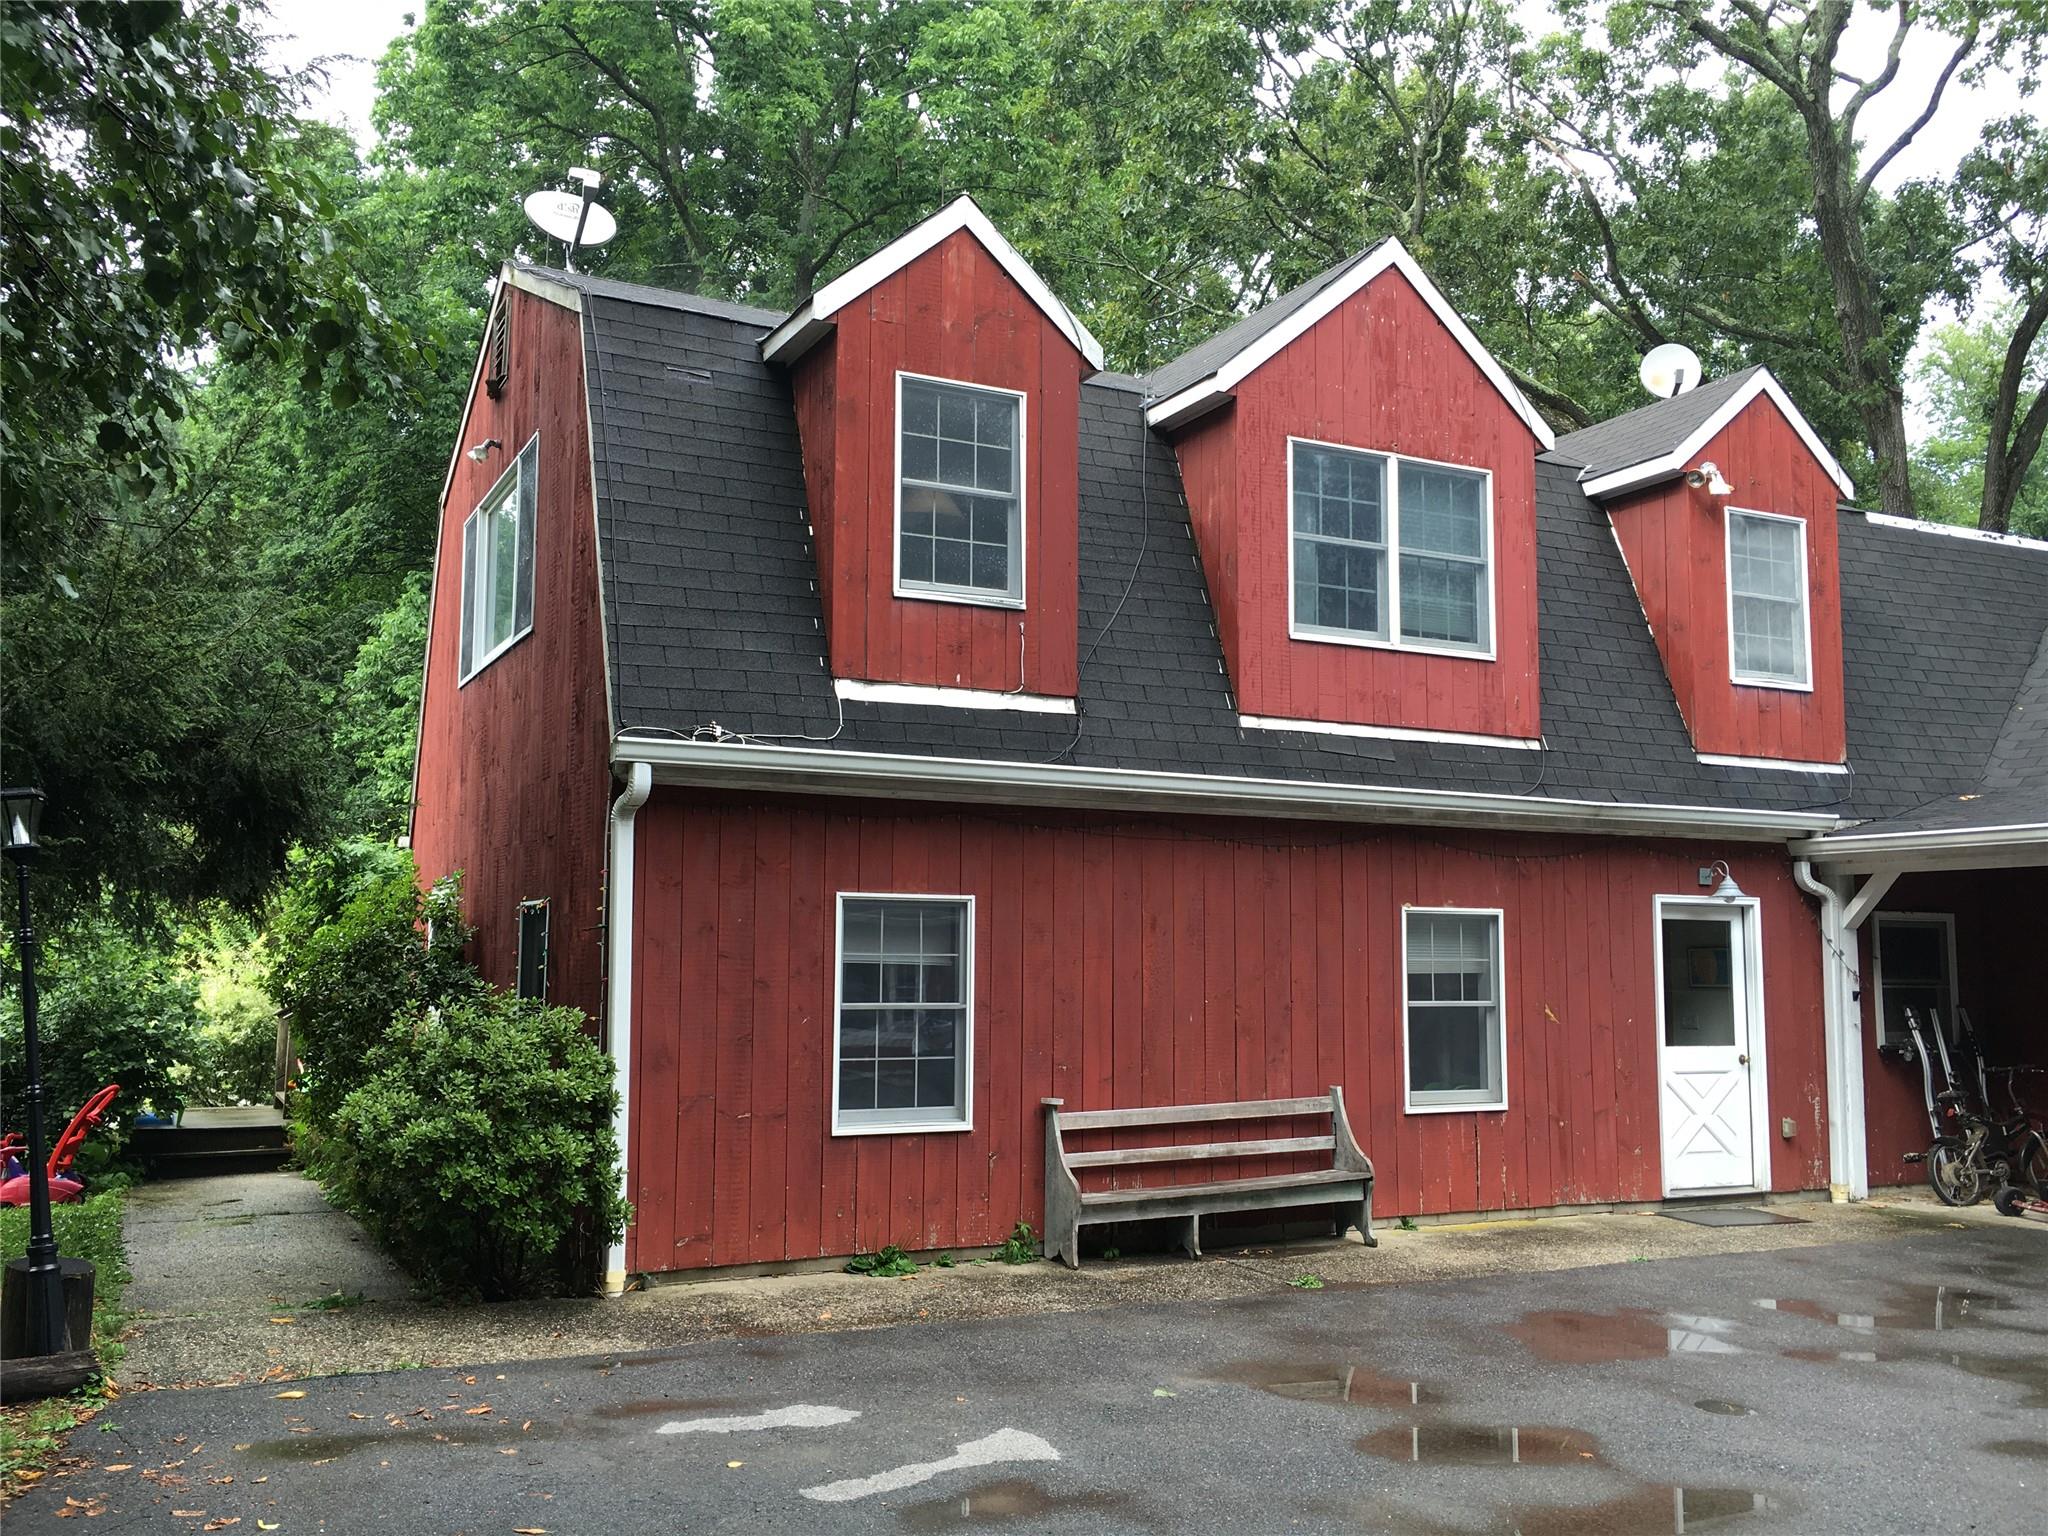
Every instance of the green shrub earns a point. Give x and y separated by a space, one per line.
888 1264
352 955
478 1148
113 1011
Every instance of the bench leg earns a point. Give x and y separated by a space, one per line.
1365 1218
1192 1243
1065 1244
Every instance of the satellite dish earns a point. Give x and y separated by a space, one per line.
1670 369
572 217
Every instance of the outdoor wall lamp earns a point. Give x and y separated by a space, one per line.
483 449
47 1332
1709 476
1727 890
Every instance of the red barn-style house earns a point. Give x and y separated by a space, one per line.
881 718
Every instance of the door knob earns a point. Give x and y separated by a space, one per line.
1744 1060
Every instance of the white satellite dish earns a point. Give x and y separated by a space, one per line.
572 217
1670 368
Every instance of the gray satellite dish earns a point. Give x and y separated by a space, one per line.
573 218
1670 369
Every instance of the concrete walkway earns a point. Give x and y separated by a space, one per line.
225 1270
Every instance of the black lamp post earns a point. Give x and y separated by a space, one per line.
47 1332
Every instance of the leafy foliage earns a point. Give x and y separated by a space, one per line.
1020 1247
479 1149
889 1263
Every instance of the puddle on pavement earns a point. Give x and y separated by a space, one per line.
1722 1405
1483 1445
2028 1373
1649 1511
1925 1308
2026 1450
1326 1383
645 1407
1011 1498
332 1447
1632 1333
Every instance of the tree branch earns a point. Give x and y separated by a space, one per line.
1912 129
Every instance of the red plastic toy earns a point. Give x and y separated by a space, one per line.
63 1187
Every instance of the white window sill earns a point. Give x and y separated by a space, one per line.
1494 1108
476 670
1405 647
970 599
902 1128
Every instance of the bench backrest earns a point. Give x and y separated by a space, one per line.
1339 1143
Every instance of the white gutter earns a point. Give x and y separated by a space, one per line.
735 765
1842 1033
618 1012
2018 845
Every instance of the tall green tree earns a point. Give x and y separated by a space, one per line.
1962 377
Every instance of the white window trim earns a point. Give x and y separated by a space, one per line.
1878 923
1500 1010
1393 642
1752 679
966 1052
507 482
938 594
546 911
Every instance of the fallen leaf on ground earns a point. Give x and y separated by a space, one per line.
294 1393
266 1478
359 1415
735 1463
222 1523
523 1428
283 1322
479 1408
118 1466
825 1315
529 1530
510 1450
189 1514
27 1476
249 1447
267 1525
1161 1392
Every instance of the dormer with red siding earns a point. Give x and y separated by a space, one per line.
1361 479
937 391
1724 503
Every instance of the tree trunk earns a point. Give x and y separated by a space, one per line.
2008 455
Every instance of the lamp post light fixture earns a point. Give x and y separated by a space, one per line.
21 811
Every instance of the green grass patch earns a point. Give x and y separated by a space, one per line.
31 1433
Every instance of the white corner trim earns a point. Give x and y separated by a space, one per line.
1388 254
789 340
618 1002
950 698
1787 764
1955 531
1388 732
1631 476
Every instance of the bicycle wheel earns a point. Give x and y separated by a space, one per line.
2030 1165
1952 1176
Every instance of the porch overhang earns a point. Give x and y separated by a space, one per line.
1852 852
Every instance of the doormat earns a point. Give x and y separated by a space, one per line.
1733 1216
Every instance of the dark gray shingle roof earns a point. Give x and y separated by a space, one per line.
1199 362
1650 431
713 617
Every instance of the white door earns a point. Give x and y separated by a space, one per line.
1705 1030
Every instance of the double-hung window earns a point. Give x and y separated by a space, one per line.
1390 551
1455 1025
959 491
1916 970
905 1029
1767 625
497 564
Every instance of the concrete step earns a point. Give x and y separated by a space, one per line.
174 1140
187 1163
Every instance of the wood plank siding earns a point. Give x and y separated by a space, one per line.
1131 961
1675 540
514 787
1382 373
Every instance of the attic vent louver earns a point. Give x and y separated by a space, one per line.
498 347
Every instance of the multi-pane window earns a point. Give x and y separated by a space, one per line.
960 524
1454 1016
1913 972
497 564
1767 599
532 967
905 1023
1351 511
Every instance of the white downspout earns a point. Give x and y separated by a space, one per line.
618 1013
1842 1029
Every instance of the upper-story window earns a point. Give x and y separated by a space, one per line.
497 564
1389 550
959 492
1768 635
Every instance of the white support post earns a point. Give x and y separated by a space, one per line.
618 1012
1842 1032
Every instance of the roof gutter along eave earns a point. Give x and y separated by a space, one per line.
1828 847
727 765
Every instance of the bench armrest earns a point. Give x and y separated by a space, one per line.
1348 1156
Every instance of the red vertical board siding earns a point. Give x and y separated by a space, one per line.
1379 372
1675 538
1130 960
952 313
2001 919
522 813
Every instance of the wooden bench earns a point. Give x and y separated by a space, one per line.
1346 1183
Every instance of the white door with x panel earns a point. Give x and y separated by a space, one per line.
1705 1026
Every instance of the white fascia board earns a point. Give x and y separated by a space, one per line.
1783 764
1388 254
815 770
2019 844
1388 732
961 213
1631 476
1955 531
950 698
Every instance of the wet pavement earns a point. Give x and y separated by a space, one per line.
1899 1385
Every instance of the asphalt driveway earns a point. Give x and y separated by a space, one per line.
1899 1385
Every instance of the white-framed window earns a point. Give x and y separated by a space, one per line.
959 491
531 970
1454 1023
903 1031
1916 968
1389 550
1769 636
497 564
